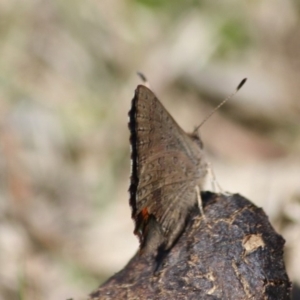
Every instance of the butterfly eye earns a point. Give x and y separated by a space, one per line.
196 138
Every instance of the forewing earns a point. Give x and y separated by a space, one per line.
153 131
165 163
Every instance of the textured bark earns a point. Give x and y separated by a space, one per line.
231 253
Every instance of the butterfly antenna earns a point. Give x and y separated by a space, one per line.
222 103
144 79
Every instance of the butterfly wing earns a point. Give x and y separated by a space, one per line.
167 164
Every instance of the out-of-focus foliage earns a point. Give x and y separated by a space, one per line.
67 75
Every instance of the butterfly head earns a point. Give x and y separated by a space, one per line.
195 136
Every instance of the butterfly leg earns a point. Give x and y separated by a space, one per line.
200 203
215 185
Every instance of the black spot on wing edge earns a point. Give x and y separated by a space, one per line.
134 180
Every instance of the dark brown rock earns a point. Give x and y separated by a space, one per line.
231 253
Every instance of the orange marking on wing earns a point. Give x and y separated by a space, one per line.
145 214
141 222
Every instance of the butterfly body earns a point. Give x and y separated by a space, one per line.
167 165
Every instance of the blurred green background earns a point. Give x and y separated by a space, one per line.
67 76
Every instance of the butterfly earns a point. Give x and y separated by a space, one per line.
168 169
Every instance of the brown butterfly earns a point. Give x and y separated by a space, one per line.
168 168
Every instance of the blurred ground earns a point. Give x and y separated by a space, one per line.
67 76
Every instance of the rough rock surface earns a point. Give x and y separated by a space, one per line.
231 253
